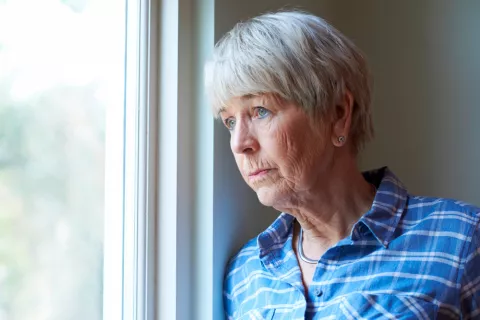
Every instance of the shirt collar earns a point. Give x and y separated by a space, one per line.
382 219
388 205
276 234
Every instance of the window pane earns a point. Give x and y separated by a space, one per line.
61 68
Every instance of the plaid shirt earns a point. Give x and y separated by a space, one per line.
409 257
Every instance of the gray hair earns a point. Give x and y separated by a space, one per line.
298 57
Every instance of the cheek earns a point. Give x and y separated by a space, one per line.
238 159
288 151
236 156
299 151
291 148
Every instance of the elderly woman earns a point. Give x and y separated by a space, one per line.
295 95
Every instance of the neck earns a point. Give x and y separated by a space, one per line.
327 212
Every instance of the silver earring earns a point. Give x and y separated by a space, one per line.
341 139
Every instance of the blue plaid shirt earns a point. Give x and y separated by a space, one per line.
409 257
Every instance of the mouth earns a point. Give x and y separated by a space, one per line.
258 173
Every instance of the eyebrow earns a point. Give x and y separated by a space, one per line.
222 109
245 98
248 97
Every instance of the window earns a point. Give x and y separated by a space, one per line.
106 161
62 66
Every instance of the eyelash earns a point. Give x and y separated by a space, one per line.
225 122
257 109
256 113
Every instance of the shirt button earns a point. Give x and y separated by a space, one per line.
318 292
362 229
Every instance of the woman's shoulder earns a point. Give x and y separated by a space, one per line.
247 253
238 270
249 256
440 218
432 205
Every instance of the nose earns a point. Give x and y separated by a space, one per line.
243 139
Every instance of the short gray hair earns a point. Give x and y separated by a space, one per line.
298 57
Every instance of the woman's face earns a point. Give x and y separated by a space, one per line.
280 151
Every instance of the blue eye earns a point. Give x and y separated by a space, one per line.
262 112
230 123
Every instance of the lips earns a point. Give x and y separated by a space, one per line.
258 172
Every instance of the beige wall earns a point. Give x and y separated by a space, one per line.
425 57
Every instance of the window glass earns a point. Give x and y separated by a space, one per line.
61 68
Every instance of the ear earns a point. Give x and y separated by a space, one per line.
342 119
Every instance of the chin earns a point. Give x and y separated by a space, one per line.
267 196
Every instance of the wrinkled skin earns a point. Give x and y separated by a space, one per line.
296 150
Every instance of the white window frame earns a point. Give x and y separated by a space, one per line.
130 239
185 225
164 270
